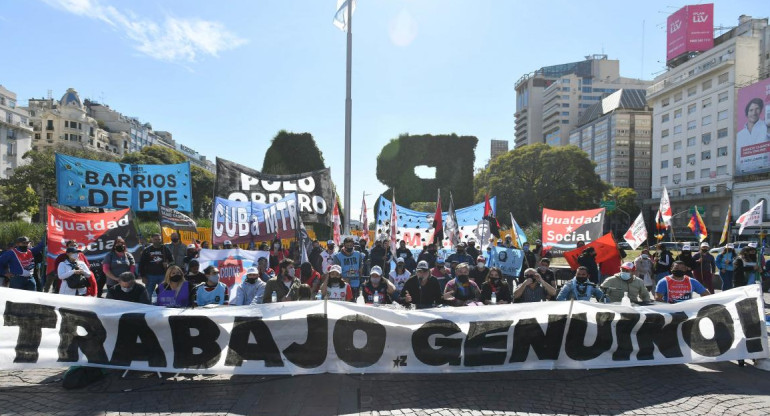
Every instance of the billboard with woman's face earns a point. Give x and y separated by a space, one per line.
752 145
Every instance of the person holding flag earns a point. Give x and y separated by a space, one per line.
705 266
747 267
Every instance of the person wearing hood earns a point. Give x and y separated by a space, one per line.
617 286
645 268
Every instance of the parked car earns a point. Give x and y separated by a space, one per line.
624 245
673 245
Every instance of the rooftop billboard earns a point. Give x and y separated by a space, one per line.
690 29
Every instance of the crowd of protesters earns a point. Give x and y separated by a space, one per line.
169 274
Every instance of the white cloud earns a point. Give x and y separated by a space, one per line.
175 39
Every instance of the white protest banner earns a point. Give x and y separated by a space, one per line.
637 233
750 217
42 330
232 263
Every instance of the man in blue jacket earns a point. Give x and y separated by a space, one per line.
18 264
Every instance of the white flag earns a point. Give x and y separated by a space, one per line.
451 231
637 234
665 207
750 217
341 17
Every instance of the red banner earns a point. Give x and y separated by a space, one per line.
563 229
95 233
607 255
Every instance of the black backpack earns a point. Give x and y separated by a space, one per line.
76 281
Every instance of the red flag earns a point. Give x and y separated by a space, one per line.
607 255
489 216
438 224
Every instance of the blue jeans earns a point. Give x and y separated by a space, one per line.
153 281
727 279
23 282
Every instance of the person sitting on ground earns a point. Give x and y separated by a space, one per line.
383 288
620 284
534 288
479 273
285 285
580 288
128 290
212 292
400 275
544 270
678 287
333 287
309 276
175 292
194 275
440 272
251 290
305 292
494 283
75 275
461 291
422 289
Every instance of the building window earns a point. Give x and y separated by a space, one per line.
706 103
691 108
706 84
678 129
664 181
723 78
690 175
66 123
705 155
677 145
721 170
691 159
704 173
690 141
723 96
706 121
722 115
692 91
664 164
692 124
706 138
565 113
665 102
678 162
678 113
49 136
722 133
677 97
722 151
664 118
705 190
37 136
677 178
745 205
664 133
565 80
664 148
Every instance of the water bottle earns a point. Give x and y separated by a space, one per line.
360 300
626 301
493 299
274 297
376 298
154 298
319 296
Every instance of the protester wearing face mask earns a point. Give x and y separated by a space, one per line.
746 267
333 287
399 275
545 272
191 254
277 254
587 259
421 290
479 273
534 288
494 283
376 284
211 292
178 249
251 290
285 285
724 262
645 269
620 284
153 263
461 291
580 287
678 287
471 248
352 263
117 261
49 282
309 276
460 256
19 264
529 261
175 292
705 267
428 255
194 275
128 290
74 274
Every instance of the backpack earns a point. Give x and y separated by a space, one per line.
76 281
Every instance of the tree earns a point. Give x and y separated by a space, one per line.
292 153
423 206
17 198
626 200
527 179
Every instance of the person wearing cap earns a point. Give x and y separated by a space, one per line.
422 290
479 273
678 286
178 249
74 274
175 292
285 285
440 272
117 261
471 248
251 290
128 290
461 256
685 256
153 263
19 264
49 282
212 291
333 287
400 274
376 284
461 291
352 264
227 245
191 254
620 284
704 267
746 267
327 257
724 262
645 268
309 276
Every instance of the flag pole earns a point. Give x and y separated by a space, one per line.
348 111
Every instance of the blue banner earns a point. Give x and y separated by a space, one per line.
509 260
93 183
243 222
416 228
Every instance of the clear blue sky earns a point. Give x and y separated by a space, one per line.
225 77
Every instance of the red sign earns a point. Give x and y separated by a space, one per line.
690 29
563 229
231 271
607 255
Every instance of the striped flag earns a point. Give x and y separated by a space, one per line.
697 225
517 234
726 229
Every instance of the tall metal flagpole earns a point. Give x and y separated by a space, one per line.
348 111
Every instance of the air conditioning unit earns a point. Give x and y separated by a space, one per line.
707 157
676 181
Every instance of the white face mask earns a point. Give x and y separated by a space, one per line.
72 257
376 282
126 289
481 264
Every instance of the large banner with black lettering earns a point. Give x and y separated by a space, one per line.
45 330
246 222
315 190
563 229
416 228
232 263
95 233
93 183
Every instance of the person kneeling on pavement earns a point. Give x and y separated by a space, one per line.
620 284
579 288
128 290
379 288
